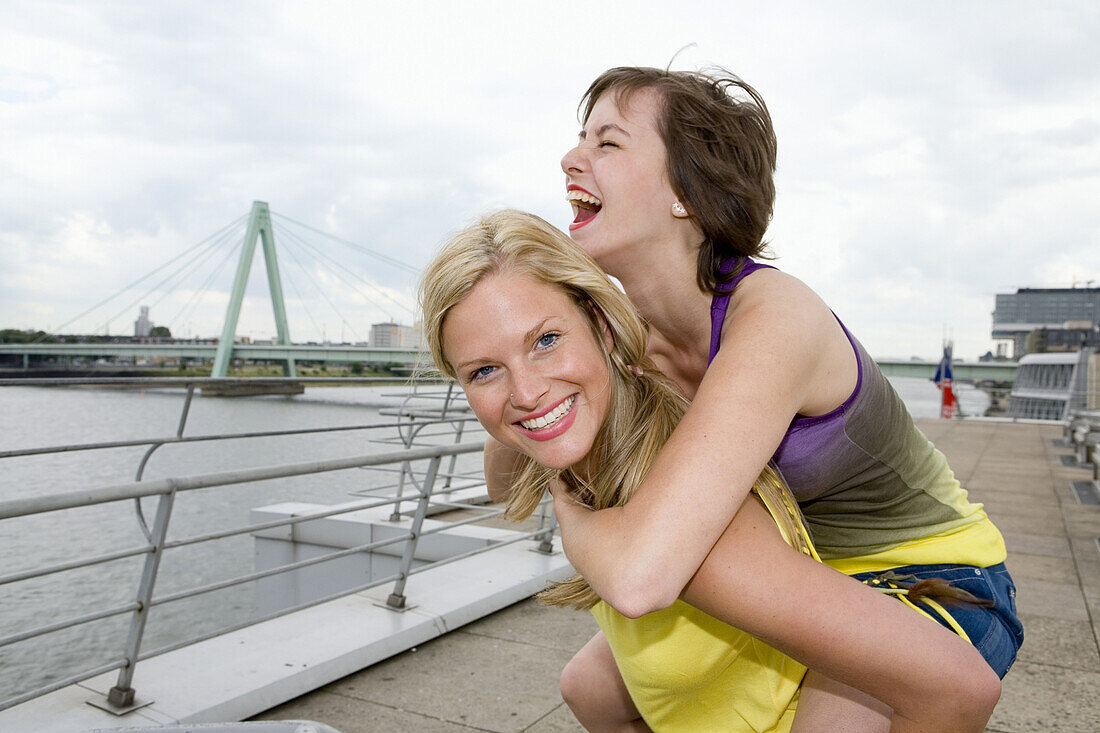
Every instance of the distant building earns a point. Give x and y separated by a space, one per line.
1055 319
394 336
142 326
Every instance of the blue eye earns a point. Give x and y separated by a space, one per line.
480 373
547 340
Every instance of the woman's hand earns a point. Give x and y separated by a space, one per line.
570 511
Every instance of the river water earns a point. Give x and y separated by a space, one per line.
37 416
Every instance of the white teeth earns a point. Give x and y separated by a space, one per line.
583 197
551 417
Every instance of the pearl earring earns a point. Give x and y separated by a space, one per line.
678 210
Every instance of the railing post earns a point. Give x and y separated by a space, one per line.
458 434
186 409
149 454
397 598
406 471
546 544
122 694
454 458
408 434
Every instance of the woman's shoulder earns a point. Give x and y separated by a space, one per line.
776 324
770 293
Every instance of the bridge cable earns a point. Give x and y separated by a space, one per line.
366 296
372 286
107 323
156 287
361 248
220 231
321 291
197 264
301 298
318 258
193 302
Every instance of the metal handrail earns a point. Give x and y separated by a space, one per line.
141 489
200 381
249 529
413 485
67 623
74 565
205 438
205 482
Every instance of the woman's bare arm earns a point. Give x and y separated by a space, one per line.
783 353
932 679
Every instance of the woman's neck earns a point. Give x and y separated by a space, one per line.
667 295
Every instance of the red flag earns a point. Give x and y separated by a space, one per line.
949 405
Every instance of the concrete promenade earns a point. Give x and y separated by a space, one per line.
500 673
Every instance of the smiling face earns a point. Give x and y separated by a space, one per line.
533 371
617 183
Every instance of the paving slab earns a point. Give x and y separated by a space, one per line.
1054 600
1021 505
532 623
1041 698
478 677
1059 642
982 485
1081 520
1035 544
352 715
1018 501
1042 567
1039 522
560 720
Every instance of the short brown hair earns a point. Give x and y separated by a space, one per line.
721 155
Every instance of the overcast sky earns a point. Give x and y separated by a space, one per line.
931 154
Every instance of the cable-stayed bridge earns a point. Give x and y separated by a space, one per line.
345 354
259 230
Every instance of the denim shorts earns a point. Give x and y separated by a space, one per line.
996 632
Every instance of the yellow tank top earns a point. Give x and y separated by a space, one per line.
687 671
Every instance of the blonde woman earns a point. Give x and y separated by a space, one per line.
553 360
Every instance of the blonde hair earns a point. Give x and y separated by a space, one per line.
645 406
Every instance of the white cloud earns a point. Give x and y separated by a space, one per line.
930 156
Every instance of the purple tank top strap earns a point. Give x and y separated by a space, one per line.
719 304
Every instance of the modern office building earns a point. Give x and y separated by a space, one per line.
1056 319
394 336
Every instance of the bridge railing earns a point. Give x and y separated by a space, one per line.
426 476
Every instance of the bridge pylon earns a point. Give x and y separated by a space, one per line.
259 227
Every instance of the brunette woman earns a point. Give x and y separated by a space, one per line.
672 191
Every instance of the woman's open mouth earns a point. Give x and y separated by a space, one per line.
585 207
